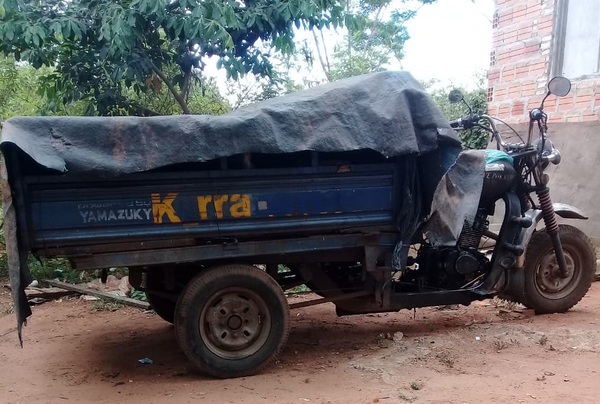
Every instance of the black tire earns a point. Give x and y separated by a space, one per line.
545 291
232 321
164 307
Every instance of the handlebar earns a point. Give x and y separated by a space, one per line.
466 122
469 121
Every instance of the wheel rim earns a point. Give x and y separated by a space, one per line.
548 281
235 323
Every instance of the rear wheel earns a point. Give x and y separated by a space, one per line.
232 320
545 290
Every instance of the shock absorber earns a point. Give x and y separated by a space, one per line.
552 229
547 211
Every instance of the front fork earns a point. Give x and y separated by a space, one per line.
543 193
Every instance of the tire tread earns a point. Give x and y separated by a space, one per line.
539 245
203 281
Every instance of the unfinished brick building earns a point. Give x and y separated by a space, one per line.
533 41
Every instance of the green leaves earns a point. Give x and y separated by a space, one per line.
105 51
21 92
8 30
376 34
35 35
477 100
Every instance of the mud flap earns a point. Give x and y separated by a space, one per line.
515 286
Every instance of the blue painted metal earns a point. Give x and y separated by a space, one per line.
68 210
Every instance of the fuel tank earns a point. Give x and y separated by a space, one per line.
498 177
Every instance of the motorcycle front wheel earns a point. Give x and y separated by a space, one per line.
545 290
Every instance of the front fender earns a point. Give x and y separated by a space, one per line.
561 209
568 211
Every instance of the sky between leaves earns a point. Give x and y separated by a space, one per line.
450 43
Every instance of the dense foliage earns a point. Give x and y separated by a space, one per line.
477 100
18 88
375 36
103 50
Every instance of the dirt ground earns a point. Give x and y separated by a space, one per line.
485 353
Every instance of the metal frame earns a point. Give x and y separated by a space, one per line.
559 36
282 249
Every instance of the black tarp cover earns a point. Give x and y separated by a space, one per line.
387 112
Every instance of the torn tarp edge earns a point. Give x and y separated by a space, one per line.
456 199
17 257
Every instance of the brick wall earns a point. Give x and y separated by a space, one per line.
520 63
520 66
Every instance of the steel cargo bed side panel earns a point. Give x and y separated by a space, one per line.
66 211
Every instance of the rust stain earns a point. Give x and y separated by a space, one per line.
119 151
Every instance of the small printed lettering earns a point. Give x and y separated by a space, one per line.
497 176
162 209
112 205
95 216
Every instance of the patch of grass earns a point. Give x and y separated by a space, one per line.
405 397
119 272
107 305
56 268
60 268
3 265
504 304
45 268
138 295
10 309
445 359
500 345
448 307
298 289
283 271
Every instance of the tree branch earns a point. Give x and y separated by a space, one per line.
187 78
178 96
324 66
349 39
376 24
143 111
325 51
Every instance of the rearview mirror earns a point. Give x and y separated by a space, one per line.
559 86
455 96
